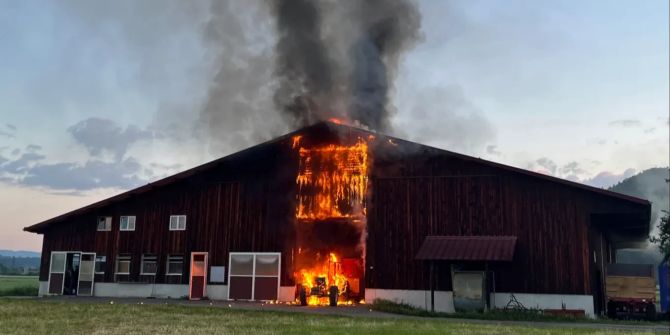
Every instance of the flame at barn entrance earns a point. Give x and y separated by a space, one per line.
330 222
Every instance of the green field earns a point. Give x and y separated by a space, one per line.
18 285
52 317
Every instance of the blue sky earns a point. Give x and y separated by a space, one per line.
99 97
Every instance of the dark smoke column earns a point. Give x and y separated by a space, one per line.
310 73
389 27
302 66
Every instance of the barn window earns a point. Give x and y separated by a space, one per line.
175 265
127 223
149 264
104 223
100 262
254 275
123 265
177 222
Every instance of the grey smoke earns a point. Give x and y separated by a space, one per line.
238 109
456 123
389 29
492 149
302 65
340 60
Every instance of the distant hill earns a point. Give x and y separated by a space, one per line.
19 253
18 262
651 185
14 262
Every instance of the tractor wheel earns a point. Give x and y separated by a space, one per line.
332 295
302 293
650 312
611 310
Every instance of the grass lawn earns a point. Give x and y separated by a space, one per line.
502 315
51 317
18 285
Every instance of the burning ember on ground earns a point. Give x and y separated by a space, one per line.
330 216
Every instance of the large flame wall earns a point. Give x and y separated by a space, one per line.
332 181
330 214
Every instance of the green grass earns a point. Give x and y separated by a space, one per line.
18 286
500 315
50 317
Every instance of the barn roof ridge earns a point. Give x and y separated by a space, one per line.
38 227
511 168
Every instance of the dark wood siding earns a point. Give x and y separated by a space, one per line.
238 207
247 203
433 194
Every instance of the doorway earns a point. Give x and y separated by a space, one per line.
71 273
198 279
86 274
254 275
71 278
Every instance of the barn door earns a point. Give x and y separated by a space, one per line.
254 275
57 272
86 274
198 279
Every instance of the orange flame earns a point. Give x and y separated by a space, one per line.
331 271
296 141
332 183
335 120
338 188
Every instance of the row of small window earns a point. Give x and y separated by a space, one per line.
127 223
149 265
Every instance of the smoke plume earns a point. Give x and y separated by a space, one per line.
339 59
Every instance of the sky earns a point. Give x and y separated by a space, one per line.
101 97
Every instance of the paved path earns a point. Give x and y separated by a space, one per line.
365 311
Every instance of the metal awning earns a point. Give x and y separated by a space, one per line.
468 248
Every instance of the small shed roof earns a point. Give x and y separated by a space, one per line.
468 248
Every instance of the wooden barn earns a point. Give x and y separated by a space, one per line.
332 210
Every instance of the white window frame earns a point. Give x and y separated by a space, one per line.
92 275
146 257
167 265
118 260
108 223
180 220
95 266
130 223
253 273
59 271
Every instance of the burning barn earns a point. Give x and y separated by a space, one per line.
333 214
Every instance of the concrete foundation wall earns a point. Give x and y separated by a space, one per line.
546 301
139 290
143 290
217 292
444 300
43 289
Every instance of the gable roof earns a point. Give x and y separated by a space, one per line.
336 127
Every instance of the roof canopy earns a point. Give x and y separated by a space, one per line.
468 248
